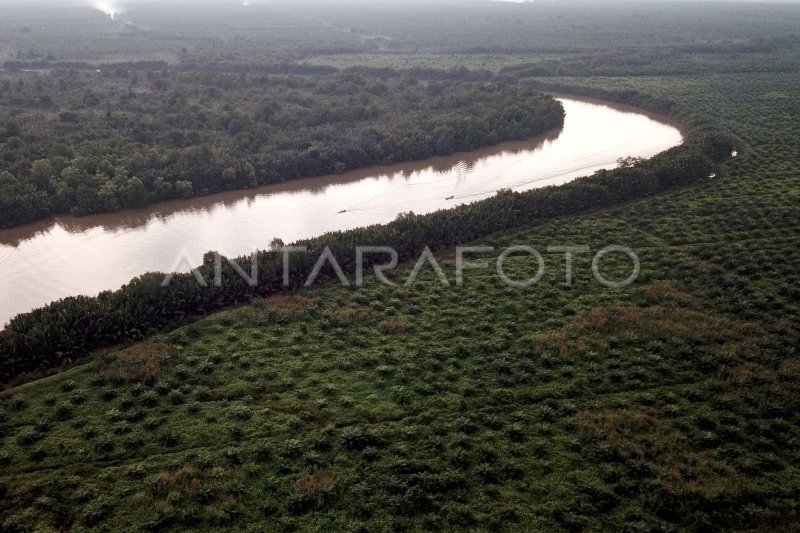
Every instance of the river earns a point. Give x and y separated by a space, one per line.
66 256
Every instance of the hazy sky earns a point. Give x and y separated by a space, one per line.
239 2
113 7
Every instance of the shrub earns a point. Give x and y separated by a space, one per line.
175 397
17 402
96 512
169 439
233 456
28 436
355 438
63 411
262 453
298 503
203 394
370 453
105 445
108 393
132 444
292 449
150 399
236 432
78 397
153 423
134 415
38 455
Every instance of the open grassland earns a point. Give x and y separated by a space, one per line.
671 403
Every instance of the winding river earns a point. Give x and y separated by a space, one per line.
42 262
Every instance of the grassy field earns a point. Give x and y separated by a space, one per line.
671 404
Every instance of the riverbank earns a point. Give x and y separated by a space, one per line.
87 255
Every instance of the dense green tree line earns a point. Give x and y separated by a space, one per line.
85 142
460 73
69 328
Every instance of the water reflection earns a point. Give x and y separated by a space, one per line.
45 261
459 165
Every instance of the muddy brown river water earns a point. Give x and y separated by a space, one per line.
67 256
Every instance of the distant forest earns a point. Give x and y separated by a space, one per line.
99 115
79 141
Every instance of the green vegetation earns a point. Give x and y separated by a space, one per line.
100 115
87 142
70 328
672 404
